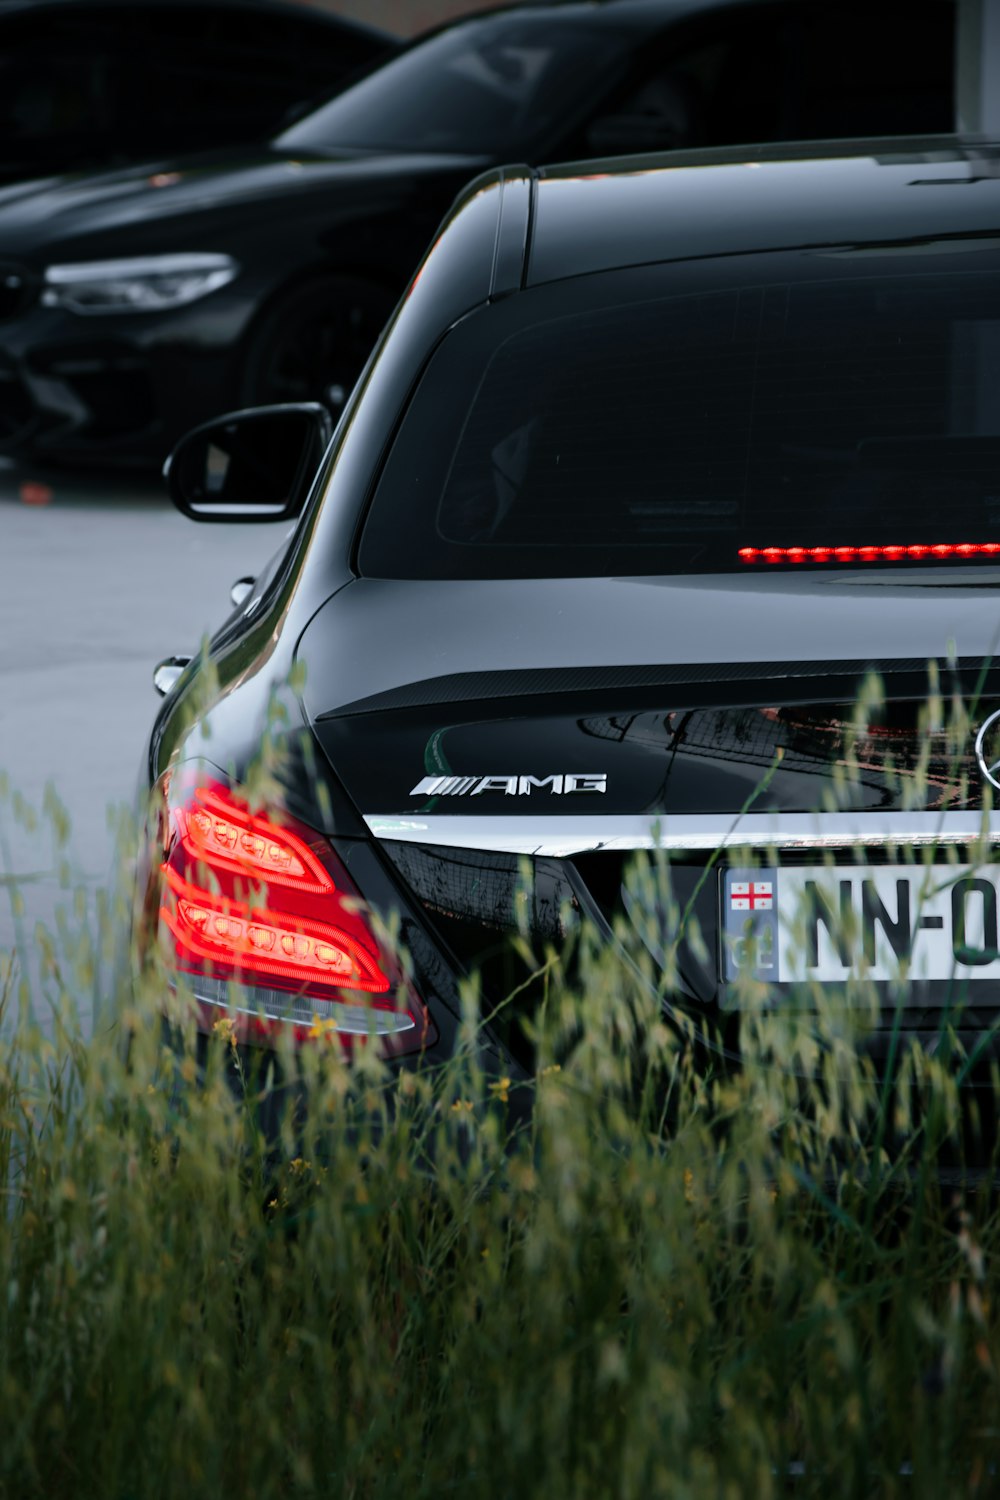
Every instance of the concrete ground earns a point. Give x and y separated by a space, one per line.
98 582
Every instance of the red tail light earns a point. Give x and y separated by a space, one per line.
229 837
269 904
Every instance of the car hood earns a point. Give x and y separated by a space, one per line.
38 215
406 682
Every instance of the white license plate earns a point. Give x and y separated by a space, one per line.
799 923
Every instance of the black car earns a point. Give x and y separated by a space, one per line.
664 523
135 304
90 85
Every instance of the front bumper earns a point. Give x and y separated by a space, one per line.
114 391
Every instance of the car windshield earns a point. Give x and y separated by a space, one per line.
489 87
657 421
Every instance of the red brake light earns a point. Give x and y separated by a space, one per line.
303 949
914 551
222 833
261 941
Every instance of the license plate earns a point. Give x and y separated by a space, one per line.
823 924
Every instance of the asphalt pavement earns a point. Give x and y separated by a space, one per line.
99 580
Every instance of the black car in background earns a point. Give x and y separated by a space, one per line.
652 469
89 85
137 303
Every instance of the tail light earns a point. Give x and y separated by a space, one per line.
265 901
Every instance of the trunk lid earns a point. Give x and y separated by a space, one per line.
678 698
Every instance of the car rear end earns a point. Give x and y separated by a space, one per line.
664 608
702 570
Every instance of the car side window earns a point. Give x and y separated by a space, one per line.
865 70
781 72
109 84
219 76
58 93
101 85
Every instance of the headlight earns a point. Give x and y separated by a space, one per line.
144 283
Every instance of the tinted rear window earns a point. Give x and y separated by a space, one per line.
658 421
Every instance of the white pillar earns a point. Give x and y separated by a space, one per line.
977 68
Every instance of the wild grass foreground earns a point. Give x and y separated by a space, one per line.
665 1281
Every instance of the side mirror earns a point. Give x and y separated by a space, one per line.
253 465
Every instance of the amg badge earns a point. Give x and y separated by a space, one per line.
513 786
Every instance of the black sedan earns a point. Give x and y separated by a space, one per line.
664 523
135 304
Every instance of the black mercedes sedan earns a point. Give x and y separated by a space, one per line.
137 303
663 525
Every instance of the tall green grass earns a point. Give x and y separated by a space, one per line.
644 1274
667 1280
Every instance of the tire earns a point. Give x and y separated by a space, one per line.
311 344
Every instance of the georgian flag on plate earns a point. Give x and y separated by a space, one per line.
751 895
748 906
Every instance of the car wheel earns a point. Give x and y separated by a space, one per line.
312 342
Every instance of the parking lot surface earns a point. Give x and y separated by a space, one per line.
98 582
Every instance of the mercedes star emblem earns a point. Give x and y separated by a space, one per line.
988 749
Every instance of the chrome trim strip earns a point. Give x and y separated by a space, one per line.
561 836
358 1019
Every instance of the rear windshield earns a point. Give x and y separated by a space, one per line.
658 421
